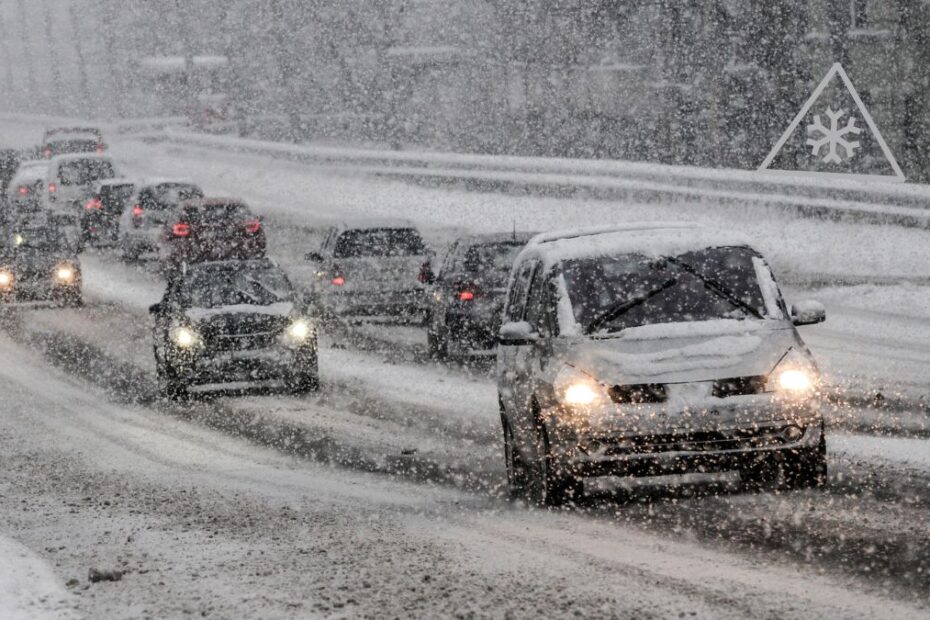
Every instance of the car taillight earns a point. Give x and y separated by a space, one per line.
101 148
23 190
466 295
137 211
47 153
181 230
338 281
94 204
52 188
253 226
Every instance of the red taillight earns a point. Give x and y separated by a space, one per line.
137 210
52 188
23 190
47 153
253 226
94 204
181 230
466 296
101 148
338 281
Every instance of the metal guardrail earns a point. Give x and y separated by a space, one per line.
832 198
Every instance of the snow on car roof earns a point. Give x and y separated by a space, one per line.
518 237
647 238
29 173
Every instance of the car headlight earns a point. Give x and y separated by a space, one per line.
184 337
299 332
794 376
6 279
65 273
578 389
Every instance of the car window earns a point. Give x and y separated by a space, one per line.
84 171
537 303
448 262
379 242
169 195
217 213
211 288
516 301
491 262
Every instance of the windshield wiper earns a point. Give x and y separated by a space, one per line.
715 287
625 306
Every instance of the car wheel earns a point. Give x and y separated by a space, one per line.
554 486
516 471
437 345
170 386
304 382
807 468
72 299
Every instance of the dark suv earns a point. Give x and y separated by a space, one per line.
102 211
468 293
233 322
211 229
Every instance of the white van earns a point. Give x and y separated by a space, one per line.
72 177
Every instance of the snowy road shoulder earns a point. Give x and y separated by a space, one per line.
893 450
29 588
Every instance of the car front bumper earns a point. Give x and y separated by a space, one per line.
278 363
650 443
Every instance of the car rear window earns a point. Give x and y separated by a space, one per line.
217 213
85 171
63 147
379 242
492 260
116 193
169 195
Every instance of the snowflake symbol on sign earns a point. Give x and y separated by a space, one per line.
833 136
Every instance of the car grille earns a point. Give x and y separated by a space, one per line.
241 332
703 441
739 386
638 394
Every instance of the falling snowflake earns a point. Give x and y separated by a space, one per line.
833 136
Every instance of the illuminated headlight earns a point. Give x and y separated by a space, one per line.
577 389
65 273
795 376
298 332
6 279
184 337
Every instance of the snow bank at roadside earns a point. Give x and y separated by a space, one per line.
29 589
894 450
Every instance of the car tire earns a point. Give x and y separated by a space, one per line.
516 470
72 300
553 486
437 346
760 473
807 469
304 383
170 387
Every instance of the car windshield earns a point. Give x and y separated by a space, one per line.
85 171
260 286
610 294
169 195
80 145
219 213
491 261
379 242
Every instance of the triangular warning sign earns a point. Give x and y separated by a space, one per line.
832 139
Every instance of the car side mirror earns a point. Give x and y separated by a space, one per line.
516 333
313 257
808 313
156 309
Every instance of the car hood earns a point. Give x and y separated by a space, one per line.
686 352
281 309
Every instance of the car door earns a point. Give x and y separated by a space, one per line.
510 354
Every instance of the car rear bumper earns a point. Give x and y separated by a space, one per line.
394 304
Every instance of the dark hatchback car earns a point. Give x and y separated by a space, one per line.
212 229
468 293
38 264
233 324
102 211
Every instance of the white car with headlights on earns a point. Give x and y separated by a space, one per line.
38 264
233 325
652 349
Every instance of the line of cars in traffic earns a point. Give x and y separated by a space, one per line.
637 349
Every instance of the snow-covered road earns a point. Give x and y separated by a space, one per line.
381 495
